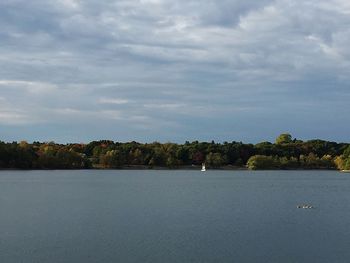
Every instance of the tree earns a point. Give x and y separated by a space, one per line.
347 164
171 162
262 162
182 154
198 158
136 157
327 161
284 138
343 162
214 159
285 154
112 159
339 162
346 153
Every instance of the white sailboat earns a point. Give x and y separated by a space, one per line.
203 167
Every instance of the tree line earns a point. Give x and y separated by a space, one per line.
284 153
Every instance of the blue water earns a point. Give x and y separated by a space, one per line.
174 216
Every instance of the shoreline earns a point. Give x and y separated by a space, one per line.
184 168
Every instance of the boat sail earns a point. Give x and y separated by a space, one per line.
203 167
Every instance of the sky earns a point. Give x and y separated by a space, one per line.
174 70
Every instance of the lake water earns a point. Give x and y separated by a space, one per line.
174 216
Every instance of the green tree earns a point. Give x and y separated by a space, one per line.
136 157
112 159
346 153
262 162
343 162
214 160
284 138
347 164
182 154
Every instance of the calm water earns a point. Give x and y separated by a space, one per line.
174 216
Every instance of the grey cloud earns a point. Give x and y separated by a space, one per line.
168 70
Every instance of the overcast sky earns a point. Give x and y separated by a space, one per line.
177 70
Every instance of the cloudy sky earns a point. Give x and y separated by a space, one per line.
174 70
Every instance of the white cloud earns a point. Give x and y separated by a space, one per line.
165 106
112 101
70 3
151 2
28 86
110 114
13 118
12 115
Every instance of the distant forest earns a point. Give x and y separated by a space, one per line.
284 153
